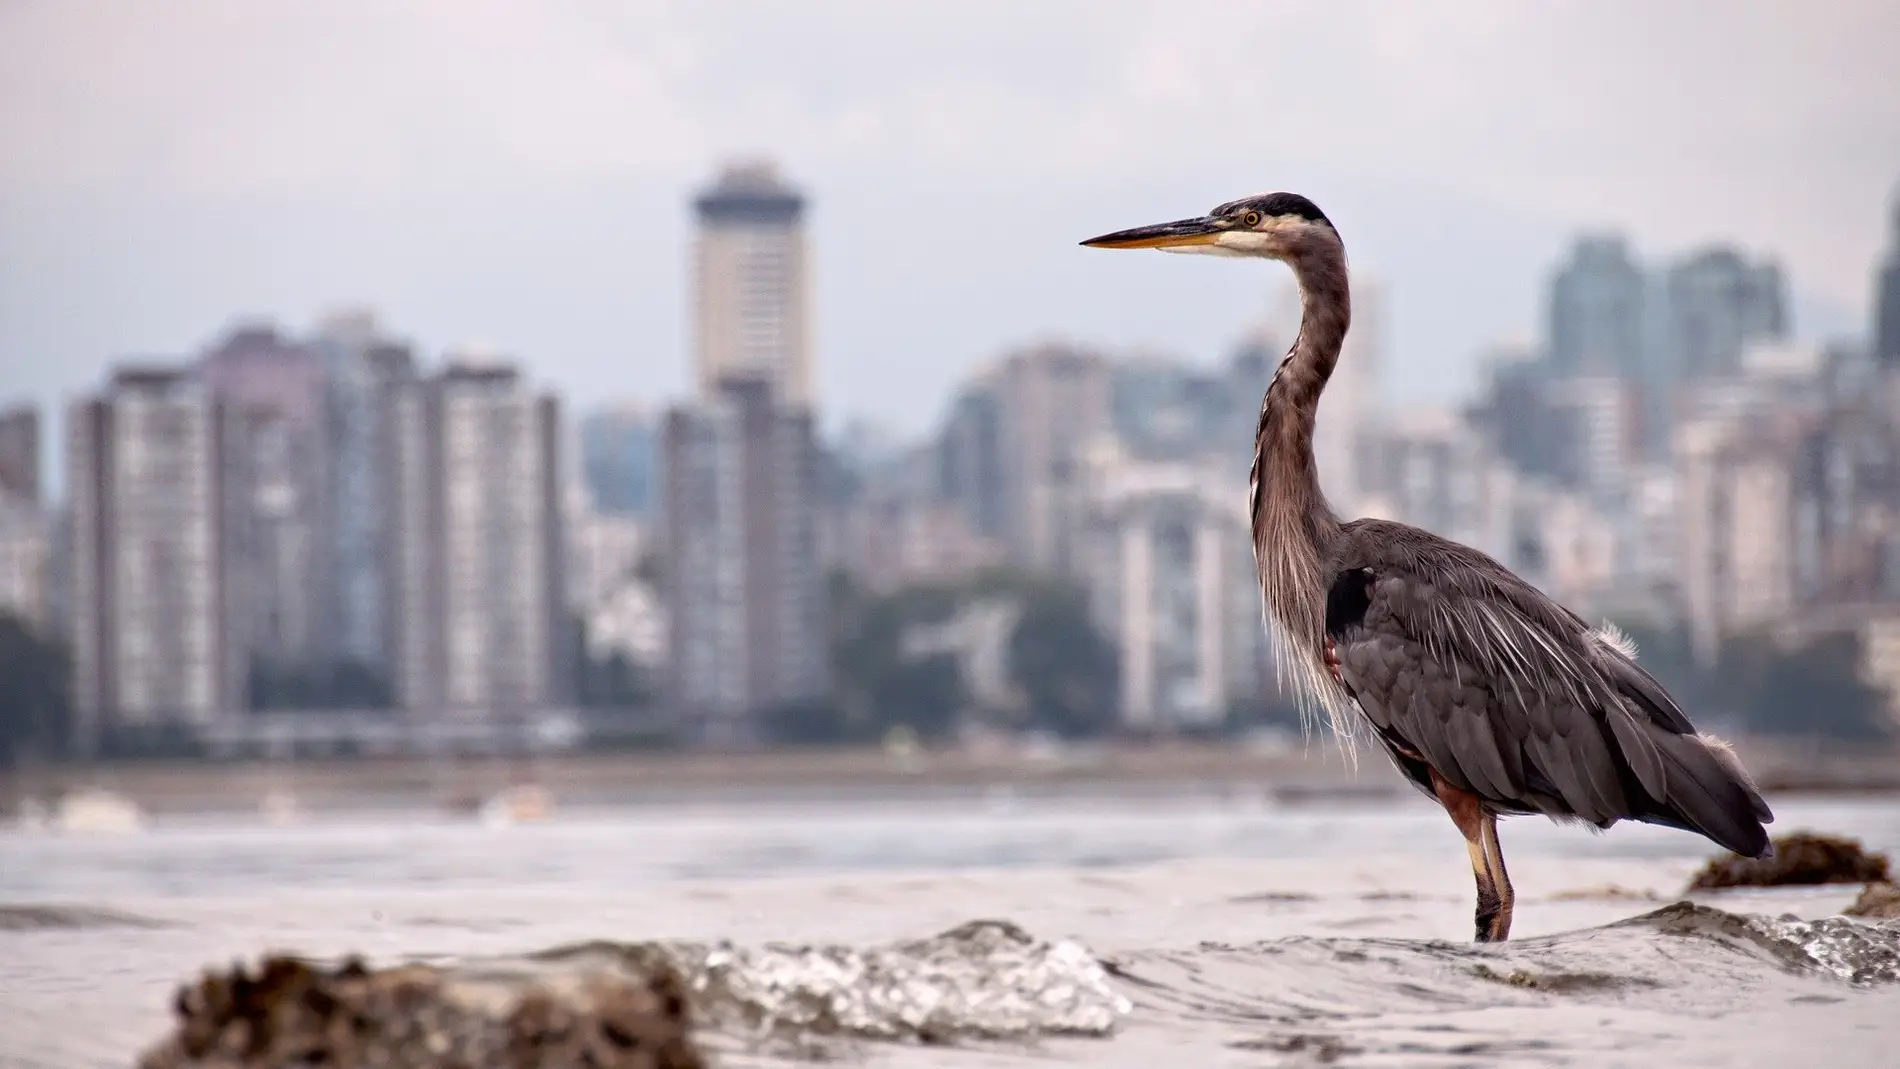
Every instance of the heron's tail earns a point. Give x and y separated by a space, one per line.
1706 790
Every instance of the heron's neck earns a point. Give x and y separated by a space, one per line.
1293 527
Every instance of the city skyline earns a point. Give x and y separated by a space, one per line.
327 520
959 187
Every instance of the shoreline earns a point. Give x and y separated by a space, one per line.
1289 774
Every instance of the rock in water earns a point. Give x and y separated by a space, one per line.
1798 858
1877 902
292 1012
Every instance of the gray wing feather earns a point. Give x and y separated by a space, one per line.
1507 694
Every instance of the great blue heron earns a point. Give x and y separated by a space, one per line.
1489 696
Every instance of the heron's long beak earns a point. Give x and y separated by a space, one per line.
1202 231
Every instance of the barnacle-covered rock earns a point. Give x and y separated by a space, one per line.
1799 858
291 1012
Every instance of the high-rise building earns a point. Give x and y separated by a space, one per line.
751 299
1717 305
20 454
971 464
1595 421
1886 334
1513 412
25 535
618 460
26 591
365 373
1735 502
480 630
1847 502
152 608
743 578
1597 311
273 473
1053 402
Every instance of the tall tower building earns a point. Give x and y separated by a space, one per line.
152 612
751 294
1718 303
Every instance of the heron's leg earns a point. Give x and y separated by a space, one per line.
1500 879
1468 813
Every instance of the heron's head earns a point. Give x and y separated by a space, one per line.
1276 226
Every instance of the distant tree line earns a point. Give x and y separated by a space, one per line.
35 715
1065 672
340 684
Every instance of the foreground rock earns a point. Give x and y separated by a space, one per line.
1799 858
1877 902
293 1013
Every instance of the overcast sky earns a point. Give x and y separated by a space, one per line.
518 173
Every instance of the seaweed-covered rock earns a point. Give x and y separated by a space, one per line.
294 1013
1798 858
1877 902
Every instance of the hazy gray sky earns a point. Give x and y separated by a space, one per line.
518 173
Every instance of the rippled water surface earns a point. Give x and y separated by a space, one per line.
994 931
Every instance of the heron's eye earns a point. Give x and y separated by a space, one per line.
1250 220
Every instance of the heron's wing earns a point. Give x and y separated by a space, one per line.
1507 694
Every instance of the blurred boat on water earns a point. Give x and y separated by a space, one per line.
280 808
97 811
521 803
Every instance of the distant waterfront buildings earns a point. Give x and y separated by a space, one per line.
304 508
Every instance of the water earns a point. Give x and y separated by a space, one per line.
992 930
